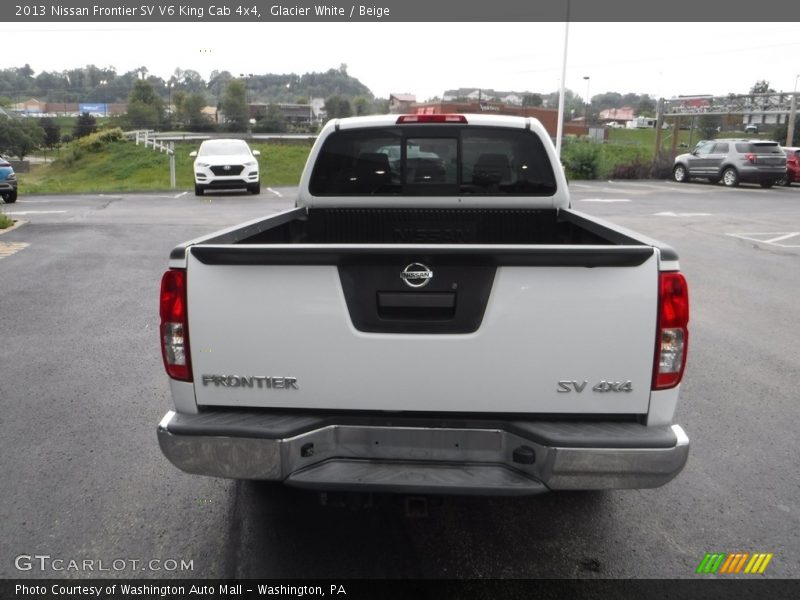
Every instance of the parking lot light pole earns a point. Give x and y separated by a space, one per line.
103 84
170 83
792 114
586 78
560 124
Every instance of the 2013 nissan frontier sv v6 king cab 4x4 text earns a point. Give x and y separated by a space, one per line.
431 317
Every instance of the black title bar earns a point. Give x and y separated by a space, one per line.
741 588
398 11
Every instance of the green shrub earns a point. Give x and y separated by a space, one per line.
662 169
635 169
613 155
97 141
581 160
5 221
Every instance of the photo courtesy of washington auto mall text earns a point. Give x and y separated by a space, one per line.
201 591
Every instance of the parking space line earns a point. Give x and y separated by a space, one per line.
782 237
7 249
36 212
674 214
604 200
277 193
773 240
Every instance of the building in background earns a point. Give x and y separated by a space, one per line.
401 103
547 116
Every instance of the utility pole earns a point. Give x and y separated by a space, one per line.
659 125
792 113
588 102
560 124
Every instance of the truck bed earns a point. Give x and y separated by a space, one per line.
483 226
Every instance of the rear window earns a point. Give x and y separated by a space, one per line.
767 148
427 160
223 148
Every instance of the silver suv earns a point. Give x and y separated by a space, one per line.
733 161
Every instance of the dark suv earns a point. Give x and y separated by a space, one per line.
733 161
8 181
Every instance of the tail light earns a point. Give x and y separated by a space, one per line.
750 157
431 119
673 334
175 326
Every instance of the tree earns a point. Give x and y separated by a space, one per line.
571 102
144 92
381 106
709 126
26 71
273 121
217 83
192 109
361 106
52 132
142 116
646 107
234 105
177 108
85 125
532 100
781 131
607 100
761 87
189 80
19 137
145 108
338 107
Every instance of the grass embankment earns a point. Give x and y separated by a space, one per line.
121 166
5 221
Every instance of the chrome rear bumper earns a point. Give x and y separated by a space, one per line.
513 458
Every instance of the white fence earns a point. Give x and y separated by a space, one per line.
148 137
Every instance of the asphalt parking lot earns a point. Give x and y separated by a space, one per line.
82 389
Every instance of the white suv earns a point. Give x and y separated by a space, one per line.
225 163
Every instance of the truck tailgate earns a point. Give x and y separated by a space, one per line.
551 334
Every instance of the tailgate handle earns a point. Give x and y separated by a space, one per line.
415 306
416 300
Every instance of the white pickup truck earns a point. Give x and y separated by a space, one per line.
431 317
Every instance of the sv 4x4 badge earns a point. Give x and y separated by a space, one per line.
604 386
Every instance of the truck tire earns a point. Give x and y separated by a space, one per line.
730 177
680 174
198 189
254 189
10 197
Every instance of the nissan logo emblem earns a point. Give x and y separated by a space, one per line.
416 275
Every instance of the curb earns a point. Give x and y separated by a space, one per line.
17 224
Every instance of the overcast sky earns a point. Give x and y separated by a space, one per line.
661 59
